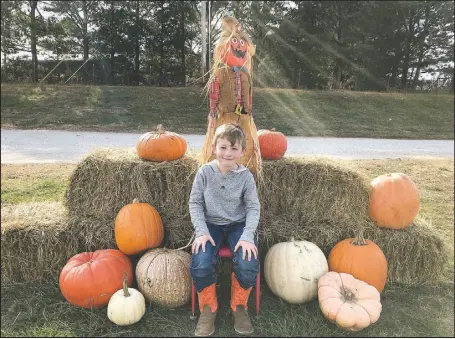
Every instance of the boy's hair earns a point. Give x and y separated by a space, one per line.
232 133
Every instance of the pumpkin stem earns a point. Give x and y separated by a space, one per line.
125 288
135 200
359 239
160 129
347 294
292 239
273 129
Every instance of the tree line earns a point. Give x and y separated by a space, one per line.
359 45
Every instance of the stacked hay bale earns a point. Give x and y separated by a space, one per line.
35 241
307 199
312 200
109 179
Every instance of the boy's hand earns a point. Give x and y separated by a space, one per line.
248 248
201 241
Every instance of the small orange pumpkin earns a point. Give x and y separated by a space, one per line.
273 144
89 279
350 303
138 227
394 200
361 258
161 145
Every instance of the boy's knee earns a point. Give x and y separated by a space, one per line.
201 264
248 265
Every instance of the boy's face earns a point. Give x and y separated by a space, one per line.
227 155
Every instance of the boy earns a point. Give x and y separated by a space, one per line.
224 204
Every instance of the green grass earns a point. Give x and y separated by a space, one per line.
29 310
32 310
184 110
34 183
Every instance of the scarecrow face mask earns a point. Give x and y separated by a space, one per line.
235 52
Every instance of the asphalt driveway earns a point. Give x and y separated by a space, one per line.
50 146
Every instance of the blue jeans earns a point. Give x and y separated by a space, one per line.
203 263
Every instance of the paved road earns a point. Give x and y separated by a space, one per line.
49 146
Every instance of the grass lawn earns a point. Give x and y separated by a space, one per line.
28 309
185 109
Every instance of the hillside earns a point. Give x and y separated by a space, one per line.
184 110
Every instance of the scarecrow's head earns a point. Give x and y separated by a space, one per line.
234 47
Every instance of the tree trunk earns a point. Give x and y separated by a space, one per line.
182 56
5 67
338 61
111 63
407 54
203 40
85 29
111 67
421 46
137 49
451 85
161 80
33 5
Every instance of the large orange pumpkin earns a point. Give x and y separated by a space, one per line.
161 145
89 279
361 258
273 144
394 200
138 227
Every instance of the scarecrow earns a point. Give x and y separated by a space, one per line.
230 91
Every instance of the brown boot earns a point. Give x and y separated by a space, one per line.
239 300
208 306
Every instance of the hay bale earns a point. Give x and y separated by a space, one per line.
415 255
35 244
108 179
312 192
98 233
313 200
303 192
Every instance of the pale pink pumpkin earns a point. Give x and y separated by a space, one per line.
350 303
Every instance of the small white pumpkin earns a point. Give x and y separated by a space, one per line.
292 270
126 306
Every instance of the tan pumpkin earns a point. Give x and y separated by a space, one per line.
273 144
138 227
163 276
292 270
350 303
161 145
394 200
126 306
362 258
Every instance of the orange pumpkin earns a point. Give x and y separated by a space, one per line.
273 144
350 303
361 258
89 279
394 200
138 227
161 145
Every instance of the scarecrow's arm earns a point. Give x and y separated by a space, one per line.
246 93
214 96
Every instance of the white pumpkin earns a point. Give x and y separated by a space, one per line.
292 270
126 306
163 276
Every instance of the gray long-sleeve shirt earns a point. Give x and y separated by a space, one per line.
224 199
